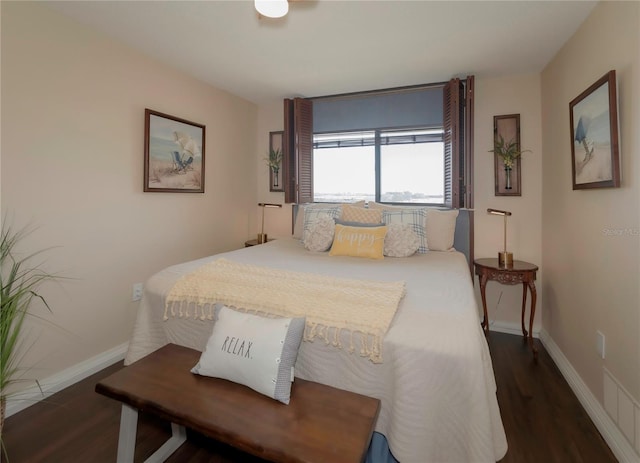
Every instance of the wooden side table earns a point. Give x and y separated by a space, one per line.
520 272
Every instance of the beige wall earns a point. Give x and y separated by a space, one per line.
72 164
592 276
494 97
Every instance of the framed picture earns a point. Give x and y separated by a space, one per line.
275 161
507 178
173 154
595 159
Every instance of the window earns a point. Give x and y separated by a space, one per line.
391 166
432 163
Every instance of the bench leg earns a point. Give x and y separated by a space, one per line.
127 438
178 436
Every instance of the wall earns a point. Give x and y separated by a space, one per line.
73 105
493 97
591 279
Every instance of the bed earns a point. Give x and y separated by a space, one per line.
435 380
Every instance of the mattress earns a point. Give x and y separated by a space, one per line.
436 383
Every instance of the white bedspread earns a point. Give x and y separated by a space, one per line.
436 383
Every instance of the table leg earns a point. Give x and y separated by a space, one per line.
524 304
532 288
483 285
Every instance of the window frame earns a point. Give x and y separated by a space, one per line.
378 135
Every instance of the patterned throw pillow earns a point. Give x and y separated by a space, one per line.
360 214
412 216
320 236
256 351
313 214
401 240
359 241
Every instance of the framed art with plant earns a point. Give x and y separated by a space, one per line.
274 161
173 154
593 115
507 154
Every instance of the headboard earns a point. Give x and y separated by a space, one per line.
463 238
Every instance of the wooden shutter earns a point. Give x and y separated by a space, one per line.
458 143
451 122
298 151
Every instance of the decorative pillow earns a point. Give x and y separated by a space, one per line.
256 351
440 229
359 241
320 236
401 240
358 224
382 207
314 213
360 214
412 216
298 226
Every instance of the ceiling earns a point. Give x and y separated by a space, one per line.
325 47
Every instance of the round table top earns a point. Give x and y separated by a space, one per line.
517 266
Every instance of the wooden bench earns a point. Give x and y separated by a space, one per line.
321 424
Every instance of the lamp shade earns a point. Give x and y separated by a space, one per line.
272 8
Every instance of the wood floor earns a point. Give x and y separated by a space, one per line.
543 420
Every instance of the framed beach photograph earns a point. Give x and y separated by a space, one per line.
173 154
595 160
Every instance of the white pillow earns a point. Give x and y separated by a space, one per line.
440 228
412 216
401 240
256 351
319 237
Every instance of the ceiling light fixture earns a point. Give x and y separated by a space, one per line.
272 8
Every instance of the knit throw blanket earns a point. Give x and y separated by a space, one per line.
363 309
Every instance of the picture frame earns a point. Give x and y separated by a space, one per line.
275 175
174 154
595 159
507 183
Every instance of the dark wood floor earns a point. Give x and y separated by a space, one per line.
543 420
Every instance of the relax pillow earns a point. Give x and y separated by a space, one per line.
440 229
401 240
360 214
358 241
320 236
412 216
255 351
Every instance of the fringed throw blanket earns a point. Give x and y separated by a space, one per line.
364 309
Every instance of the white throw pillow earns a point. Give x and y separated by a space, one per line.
440 228
256 351
319 237
401 240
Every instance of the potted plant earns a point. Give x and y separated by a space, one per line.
509 152
273 161
20 279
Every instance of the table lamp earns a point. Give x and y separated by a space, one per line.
262 236
504 258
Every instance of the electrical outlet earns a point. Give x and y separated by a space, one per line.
136 294
600 343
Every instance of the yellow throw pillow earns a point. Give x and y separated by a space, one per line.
358 241
360 214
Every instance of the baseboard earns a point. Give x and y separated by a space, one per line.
65 378
612 435
509 328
